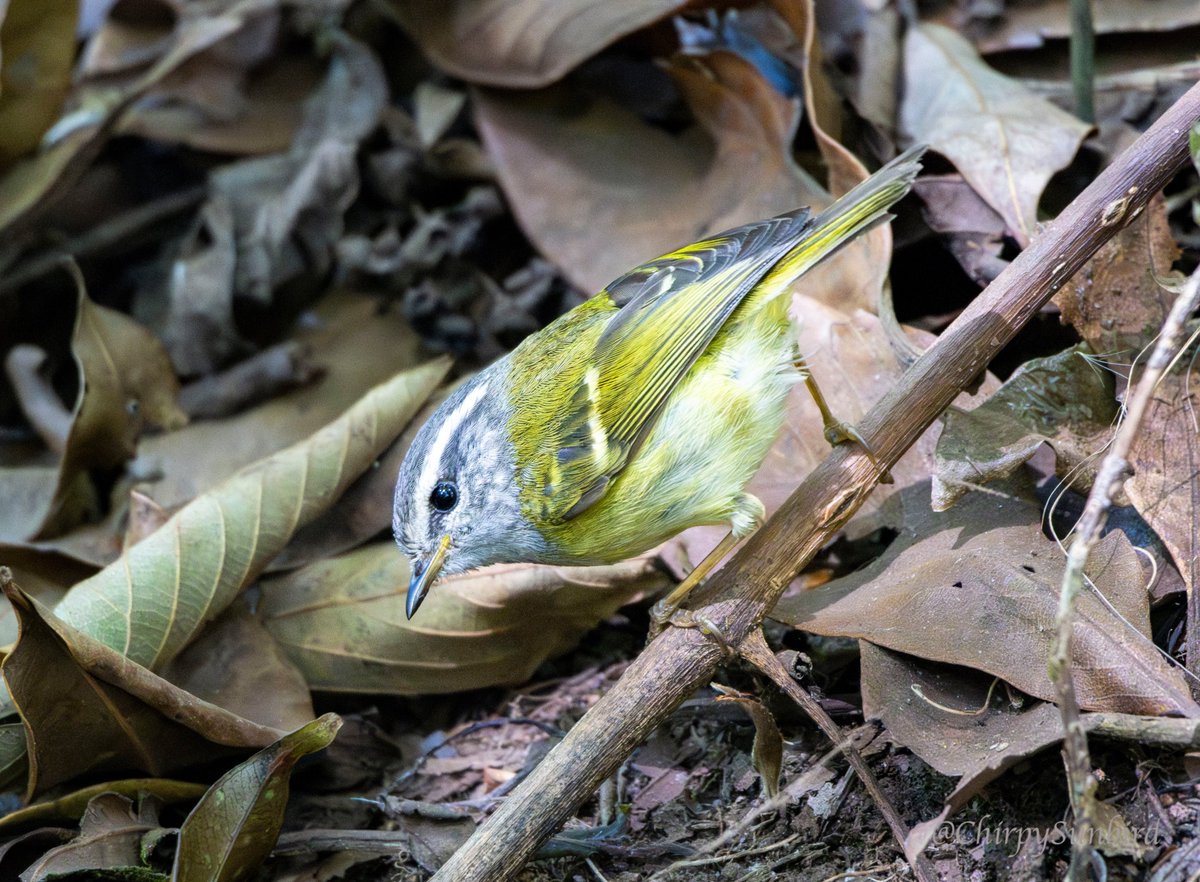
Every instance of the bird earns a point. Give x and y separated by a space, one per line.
641 412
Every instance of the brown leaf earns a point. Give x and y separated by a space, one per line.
197 458
87 709
125 383
35 184
972 229
342 620
162 592
557 154
236 664
978 587
1029 25
851 358
767 751
37 50
71 806
966 744
521 44
111 834
1006 141
45 575
1061 400
1116 301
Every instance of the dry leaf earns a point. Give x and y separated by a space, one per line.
342 620
978 586
559 153
234 826
125 383
86 709
767 750
971 228
112 834
161 593
1118 303
1005 140
37 49
72 806
1061 400
195 459
237 665
521 44
1030 25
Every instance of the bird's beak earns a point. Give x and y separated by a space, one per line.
424 575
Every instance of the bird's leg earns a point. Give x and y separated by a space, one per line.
748 515
665 611
836 431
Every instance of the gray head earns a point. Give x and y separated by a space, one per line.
456 505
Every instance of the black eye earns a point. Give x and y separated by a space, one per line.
444 496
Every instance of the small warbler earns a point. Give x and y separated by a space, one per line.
641 412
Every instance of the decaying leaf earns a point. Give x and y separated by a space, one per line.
973 231
522 44
767 751
72 806
1028 25
87 709
558 154
197 458
237 665
851 358
1118 303
1005 140
235 825
36 183
45 575
1061 400
978 587
113 833
37 49
125 383
342 620
158 596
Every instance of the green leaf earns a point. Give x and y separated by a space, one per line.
156 598
72 806
234 826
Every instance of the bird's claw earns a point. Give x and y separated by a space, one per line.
663 615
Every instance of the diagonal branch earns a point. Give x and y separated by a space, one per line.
681 660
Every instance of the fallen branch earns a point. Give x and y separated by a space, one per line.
1113 470
682 659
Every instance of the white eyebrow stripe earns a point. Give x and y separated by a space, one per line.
431 468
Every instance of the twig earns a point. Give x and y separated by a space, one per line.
1087 532
1083 59
682 659
755 650
258 378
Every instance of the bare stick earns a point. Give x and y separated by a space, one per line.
755 650
682 659
1112 470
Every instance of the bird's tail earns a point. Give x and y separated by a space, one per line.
853 214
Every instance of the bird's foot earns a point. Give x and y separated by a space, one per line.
843 433
663 615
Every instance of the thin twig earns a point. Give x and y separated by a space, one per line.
1112 470
755 650
682 660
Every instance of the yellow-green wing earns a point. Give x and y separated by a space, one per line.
670 311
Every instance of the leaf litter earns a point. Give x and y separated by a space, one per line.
280 207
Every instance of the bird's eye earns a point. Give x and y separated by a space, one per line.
444 496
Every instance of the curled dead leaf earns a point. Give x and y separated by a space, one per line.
342 620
